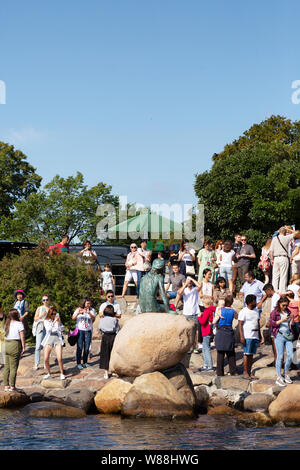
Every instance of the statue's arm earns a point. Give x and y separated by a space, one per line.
163 296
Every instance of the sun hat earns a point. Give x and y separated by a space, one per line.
19 291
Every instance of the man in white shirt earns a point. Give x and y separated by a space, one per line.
249 330
190 293
251 286
279 254
110 300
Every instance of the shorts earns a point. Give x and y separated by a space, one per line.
53 340
193 318
251 346
131 275
226 272
107 287
172 294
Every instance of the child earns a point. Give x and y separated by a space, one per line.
205 319
109 327
108 281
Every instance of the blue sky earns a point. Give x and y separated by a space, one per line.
140 94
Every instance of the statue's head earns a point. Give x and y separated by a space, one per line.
158 266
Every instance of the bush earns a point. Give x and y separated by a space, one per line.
63 277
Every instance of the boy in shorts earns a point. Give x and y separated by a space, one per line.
249 330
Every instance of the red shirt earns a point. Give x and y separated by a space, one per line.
205 320
295 309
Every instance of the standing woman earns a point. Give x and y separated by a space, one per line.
282 324
186 258
53 339
84 316
265 262
224 340
207 287
218 248
220 290
2 335
23 308
207 259
227 258
14 347
89 256
39 328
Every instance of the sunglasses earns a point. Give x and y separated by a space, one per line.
243 239
133 247
109 296
45 300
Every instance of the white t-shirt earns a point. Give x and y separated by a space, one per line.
187 256
227 258
250 326
190 301
116 306
275 298
106 277
295 289
14 330
84 321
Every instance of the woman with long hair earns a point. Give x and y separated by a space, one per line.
265 262
206 259
53 339
282 326
14 348
85 316
227 257
38 329
186 258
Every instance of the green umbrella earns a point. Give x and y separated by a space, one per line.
145 223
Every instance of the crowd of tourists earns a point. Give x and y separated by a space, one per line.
204 284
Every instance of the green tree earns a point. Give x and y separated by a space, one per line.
64 206
18 178
64 278
274 129
253 190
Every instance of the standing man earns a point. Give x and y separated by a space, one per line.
244 256
251 286
236 248
110 300
176 280
143 265
280 257
61 247
249 330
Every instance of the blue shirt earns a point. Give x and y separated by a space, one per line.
228 314
255 288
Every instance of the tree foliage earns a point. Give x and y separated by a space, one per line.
64 278
254 189
63 206
18 178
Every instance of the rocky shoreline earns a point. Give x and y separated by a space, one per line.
175 390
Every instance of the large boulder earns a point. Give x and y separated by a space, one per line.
286 407
153 395
13 399
80 398
151 342
180 378
257 402
52 410
110 398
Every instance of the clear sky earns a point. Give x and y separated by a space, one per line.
139 94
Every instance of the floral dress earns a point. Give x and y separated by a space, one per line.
207 259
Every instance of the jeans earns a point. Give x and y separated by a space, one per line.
281 343
207 359
84 341
40 334
140 274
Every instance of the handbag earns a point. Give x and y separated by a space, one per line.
73 337
189 268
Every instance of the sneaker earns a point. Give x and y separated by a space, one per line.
287 379
106 376
86 365
80 367
47 376
62 377
280 382
195 351
36 366
199 346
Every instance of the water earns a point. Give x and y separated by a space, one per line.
98 432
